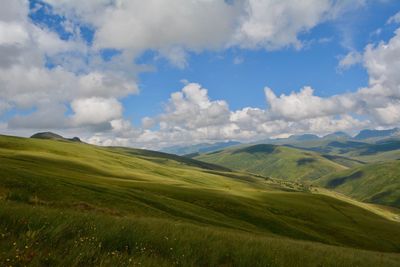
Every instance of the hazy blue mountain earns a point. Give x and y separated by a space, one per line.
304 137
366 134
337 135
199 148
290 140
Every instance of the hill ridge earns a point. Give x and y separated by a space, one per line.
54 136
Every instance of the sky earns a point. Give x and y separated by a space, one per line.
158 73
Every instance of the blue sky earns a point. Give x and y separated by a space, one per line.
125 67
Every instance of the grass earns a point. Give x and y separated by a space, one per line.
38 236
375 183
274 161
72 204
387 212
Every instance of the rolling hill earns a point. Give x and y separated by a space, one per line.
275 161
73 204
376 183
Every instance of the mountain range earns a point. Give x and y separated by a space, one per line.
302 141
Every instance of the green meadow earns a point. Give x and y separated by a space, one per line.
66 203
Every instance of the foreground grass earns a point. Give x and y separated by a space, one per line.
39 236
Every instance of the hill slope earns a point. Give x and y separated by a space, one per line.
80 205
275 161
377 183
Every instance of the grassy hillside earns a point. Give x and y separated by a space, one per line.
73 204
364 152
274 161
378 152
375 183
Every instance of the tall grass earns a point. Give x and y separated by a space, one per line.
38 236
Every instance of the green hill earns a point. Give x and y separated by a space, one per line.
274 161
53 136
73 204
384 150
376 183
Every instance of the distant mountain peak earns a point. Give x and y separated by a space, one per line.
304 137
338 134
198 148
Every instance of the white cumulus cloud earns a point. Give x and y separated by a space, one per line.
95 110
